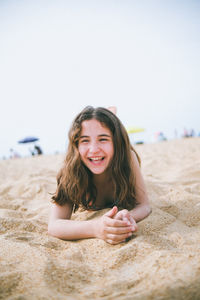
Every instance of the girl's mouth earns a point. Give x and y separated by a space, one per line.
96 159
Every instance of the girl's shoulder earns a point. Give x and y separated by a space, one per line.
135 157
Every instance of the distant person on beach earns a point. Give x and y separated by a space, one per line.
101 170
160 137
14 154
185 133
192 133
38 150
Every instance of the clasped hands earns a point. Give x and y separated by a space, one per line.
115 226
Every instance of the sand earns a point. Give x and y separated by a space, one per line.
162 261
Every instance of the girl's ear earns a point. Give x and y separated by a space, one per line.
113 109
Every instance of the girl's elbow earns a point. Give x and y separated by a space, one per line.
148 210
51 230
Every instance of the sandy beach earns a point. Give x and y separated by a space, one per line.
161 261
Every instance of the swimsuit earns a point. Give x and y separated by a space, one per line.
92 206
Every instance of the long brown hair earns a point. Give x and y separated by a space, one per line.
74 181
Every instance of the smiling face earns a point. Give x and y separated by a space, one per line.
95 146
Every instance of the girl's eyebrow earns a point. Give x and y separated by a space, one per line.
104 134
100 135
84 136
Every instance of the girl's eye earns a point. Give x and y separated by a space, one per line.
103 140
84 141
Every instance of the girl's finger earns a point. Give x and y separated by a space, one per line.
112 242
116 223
127 220
120 230
112 212
118 237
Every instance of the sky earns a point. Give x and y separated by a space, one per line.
56 57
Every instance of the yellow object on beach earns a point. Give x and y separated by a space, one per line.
134 129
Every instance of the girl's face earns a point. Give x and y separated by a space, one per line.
95 146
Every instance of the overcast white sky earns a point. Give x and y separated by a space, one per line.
57 56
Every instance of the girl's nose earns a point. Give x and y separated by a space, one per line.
94 147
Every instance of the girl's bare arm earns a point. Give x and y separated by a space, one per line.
143 209
62 227
106 228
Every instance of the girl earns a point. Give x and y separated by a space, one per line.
101 170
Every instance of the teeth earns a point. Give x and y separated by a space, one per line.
96 158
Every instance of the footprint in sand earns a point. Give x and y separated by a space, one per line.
68 276
9 282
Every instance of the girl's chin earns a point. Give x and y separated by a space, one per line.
97 172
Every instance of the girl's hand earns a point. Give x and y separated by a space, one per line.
113 230
125 215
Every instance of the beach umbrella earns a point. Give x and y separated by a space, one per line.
28 139
134 129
